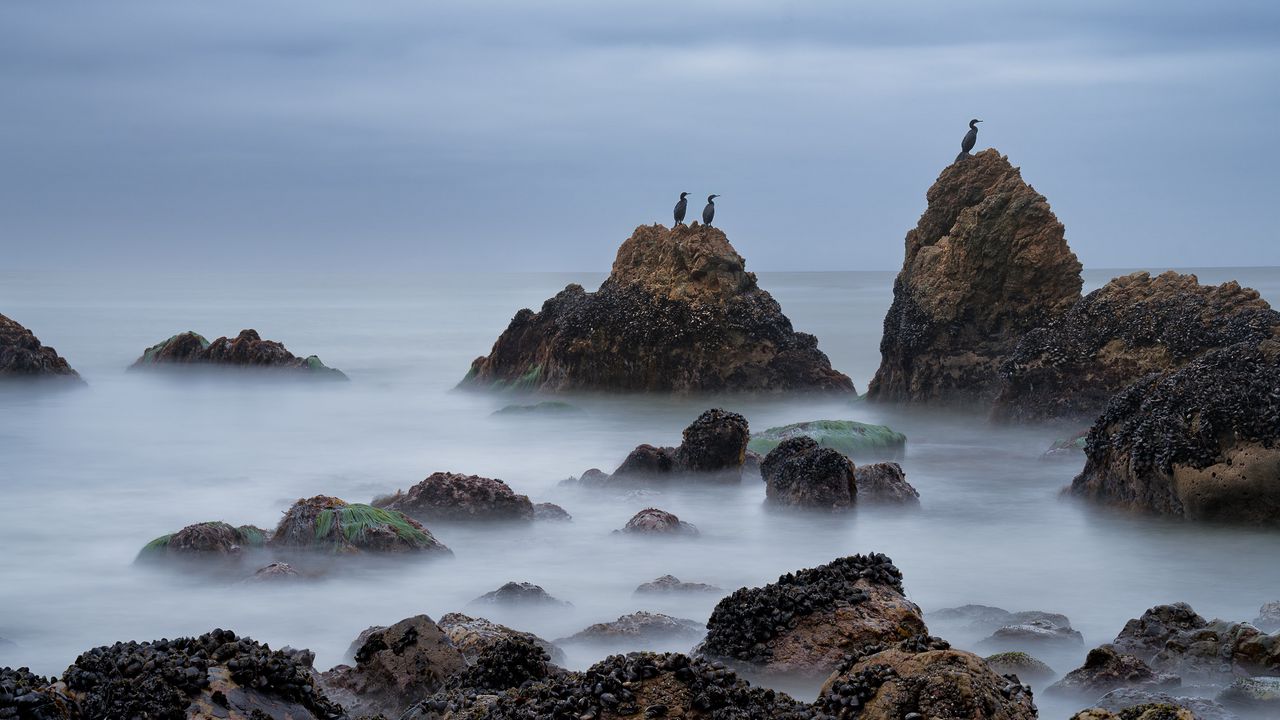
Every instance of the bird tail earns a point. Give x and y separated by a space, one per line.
961 156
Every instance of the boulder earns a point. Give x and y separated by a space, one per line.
328 524
474 635
22 357
454 497
1143 703
670 584
550 512
1258 696
1174 639
595 477
1145 636
646 462
1105 670
972 619
1132 326
1198 443
1034 631
855 439
519 594
808 621
395 667
713 449
884 484
1027 668
678 313
652 521
1268 619
799 474
510 662
637 630
206 540
986 263
247 350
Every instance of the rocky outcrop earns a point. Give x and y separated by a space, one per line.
1105 670
799 474
519 594
670 584
474 635
206 540
884 484
986 263
454 497
1131 327
652 521
808 621
855 439
678 313
550 512
22 357
1174 639
637 630
1026 667
712 449
247 350
329 524
1199 443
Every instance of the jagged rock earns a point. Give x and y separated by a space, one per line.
1145 636
713 449
1256 696
519 593
395 667
799 474
1105 670
1031 631
474 635
652 521
668 584
884 484
1173 639
1198 443
986 263
637 630
1026 667
678 313
1132 703
206 540
331 525
247 350
808 621
550 512
1268 619
22 357
454 497
1132 326
273 573
850 437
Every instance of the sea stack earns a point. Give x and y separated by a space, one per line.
679 313
987 262
22 357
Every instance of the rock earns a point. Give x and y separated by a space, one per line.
28 696
204 541
1198 443
678 313
852 438
895 684
646 462
1131 702
454 497
751 462
978 619
1070 448
1145 636
273 573
550 512
637 630
884 484
595 477
1268 619
986 263
669 584
331 525
247 350
1150 711
509 662
1132 326
799 474
395 667
474 635
1257 696
519 593
1174 639
1105 670
808 621
1027 668
22 357
1032 631
652 521
546 407
713 449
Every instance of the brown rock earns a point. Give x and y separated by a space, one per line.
454 497
799 474
518 593
23 357
884 484
713 449
1105 670
474 635
652 521
273 573
637 630
1026 667
247 350
550 512
205 540
986 263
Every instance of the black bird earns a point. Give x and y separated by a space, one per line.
970 139
679 211
709 212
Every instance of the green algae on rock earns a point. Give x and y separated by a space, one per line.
213 538
330 524
850 437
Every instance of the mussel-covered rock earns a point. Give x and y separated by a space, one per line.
670 584
518 593
652 521
328 524
799 474
1026 667
884 483
1147 711
638 630
454 497
1259 696
203 541
22 357
27 696
474 635
713 449
855 439
1105 670
246 350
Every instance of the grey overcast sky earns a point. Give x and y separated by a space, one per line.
438 135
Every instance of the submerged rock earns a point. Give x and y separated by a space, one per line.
799 474
22 357
670 584
1026 667
1199 443
1132 326
328 524
850 437
637 630
519 593
652 521
203 541
1033 631
454 497
678 313
986 263
247 350
274 572
546 407
475 635
1104 670
550 512
884 484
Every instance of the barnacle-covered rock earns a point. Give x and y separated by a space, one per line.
1104 670
246 350
800 474
454 497
652 521
517 594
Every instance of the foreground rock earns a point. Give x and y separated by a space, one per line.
799 474
1132 326
1174 639
808 621
328 524
395 667
474 635
678 313
1199 443
1027 668
1155 705
1105 670
884 484
638 630
519 594
986 263
652 521
670 584
713 449
206 540
1149 711
855 439
247 350
454 497
22 357
1258 696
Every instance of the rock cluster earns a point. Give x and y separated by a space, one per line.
712 449
1105 670
986 263
246 350
333 525
454 497
22 357
798 473
678 313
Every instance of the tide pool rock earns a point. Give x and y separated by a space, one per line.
332 525
850 437
205 540
655 522
987 262
884 484
678 313
799 474
22 357
1026 667
454 497
246 350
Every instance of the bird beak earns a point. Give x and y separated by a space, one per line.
979 121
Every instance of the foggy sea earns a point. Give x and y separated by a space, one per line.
90 476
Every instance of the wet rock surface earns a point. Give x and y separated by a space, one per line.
884 484
986 263
671 584
517 594
328 524
246 350
474 635
1104 670
678 313
454 497
23 357
799 474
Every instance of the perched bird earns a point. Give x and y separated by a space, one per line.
970 139
709 212
680 208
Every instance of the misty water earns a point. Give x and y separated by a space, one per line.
89 476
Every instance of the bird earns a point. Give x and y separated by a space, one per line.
970 139
680 208
709 212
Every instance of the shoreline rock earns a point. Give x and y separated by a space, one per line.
246 351
24 358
